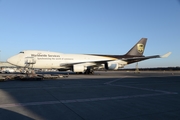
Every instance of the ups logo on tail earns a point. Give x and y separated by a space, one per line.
140 48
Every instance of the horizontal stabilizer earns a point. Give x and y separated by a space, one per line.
165 55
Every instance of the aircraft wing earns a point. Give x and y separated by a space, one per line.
137 59
128 60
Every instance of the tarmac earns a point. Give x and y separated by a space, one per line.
111 95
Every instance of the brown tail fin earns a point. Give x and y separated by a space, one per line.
138 48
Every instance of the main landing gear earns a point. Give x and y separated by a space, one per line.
89 71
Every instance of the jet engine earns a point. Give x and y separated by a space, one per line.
79 68
111 66
114 65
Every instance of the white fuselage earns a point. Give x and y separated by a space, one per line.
46 59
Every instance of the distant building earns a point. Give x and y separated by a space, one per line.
5 64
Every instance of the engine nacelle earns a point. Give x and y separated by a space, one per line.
79 68
114 65
111 66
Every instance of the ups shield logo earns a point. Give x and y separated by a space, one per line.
140 48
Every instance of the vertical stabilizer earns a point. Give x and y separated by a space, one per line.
138 48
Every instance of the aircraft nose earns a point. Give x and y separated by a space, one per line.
12 60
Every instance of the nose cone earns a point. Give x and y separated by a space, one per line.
12 60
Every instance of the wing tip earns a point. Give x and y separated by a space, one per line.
166 55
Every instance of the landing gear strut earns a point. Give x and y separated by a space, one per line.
89 71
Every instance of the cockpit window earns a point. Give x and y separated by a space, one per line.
21 52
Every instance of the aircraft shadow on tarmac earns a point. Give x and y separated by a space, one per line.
10 115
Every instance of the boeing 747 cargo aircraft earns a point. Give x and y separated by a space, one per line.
84 63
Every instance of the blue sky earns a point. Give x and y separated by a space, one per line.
94 26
